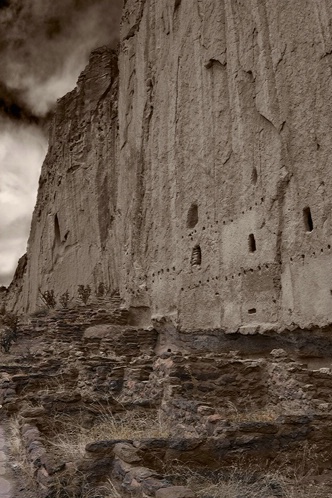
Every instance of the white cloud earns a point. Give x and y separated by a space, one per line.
22 150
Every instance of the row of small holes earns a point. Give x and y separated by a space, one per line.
229 277
243 271
161 272
168 270
247 271
302 256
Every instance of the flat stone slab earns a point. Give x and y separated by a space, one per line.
5 488
5 485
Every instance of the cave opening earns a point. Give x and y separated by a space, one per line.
192 216
57 234
252 243
307 218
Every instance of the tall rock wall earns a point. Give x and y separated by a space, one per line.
225 137
72 234
211 204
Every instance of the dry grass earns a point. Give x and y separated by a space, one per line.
110 491
246 482
70 438
264 415
235 484
289 479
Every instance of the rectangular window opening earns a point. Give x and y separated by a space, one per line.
307 218
252 243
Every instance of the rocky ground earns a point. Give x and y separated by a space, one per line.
93 411
5 478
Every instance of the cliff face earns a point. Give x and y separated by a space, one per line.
211 203
225 124
71 230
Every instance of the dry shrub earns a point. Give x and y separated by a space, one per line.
10 320
48 298
84 292
64 299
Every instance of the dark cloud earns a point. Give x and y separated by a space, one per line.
4 4
45 43
12 106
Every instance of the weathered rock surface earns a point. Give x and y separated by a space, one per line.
71 227
202 189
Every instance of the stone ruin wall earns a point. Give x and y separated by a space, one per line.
203 190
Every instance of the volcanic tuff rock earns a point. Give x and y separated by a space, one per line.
200 189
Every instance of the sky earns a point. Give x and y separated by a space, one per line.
44 45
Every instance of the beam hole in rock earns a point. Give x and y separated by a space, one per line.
307 218
254 176
177 4
196 256
192 216
252 243
57 234
252 311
